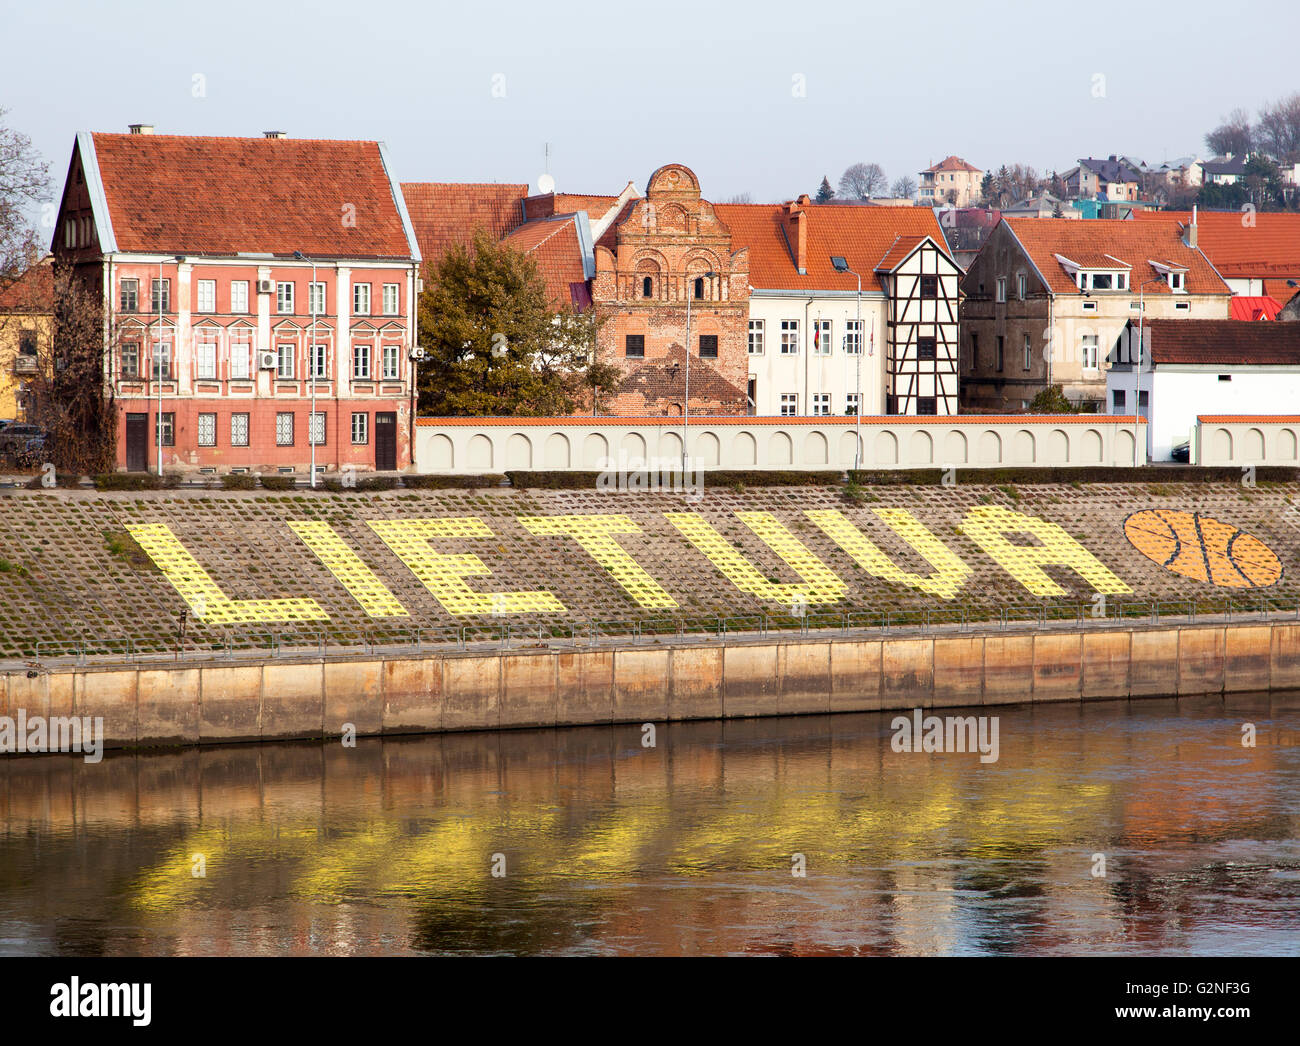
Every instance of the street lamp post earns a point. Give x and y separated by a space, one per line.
1137 371
311 368
158 361
841 265
686 399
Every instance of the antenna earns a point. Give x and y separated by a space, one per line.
545 183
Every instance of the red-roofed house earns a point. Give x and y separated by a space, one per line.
813 349
26 320
1045 300
240 277
1257 254
951 182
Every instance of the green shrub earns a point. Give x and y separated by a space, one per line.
423 482
128 481
278 482
238 481
553 480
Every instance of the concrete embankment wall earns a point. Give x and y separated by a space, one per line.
241 701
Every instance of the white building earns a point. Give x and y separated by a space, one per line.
818 346
1202 367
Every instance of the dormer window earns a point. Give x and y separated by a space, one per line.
1121 281
1102 281
1176 281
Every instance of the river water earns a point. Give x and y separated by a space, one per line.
588 841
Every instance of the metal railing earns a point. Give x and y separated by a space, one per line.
229 645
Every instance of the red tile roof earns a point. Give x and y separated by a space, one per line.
31 292
1094 243
898 252
1248 307
1224 342
203 195
554 244
445 214
951 163
729 419
861 235
1269 247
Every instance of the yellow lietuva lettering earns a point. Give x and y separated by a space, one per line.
443 573
949 575
204 596
595 535
988 525
821 584
348 569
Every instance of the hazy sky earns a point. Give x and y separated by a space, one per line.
756 96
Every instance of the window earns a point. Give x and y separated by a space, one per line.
238 295
206 361
315 298
756 337
1002 289
634 346
239 430
69 233
166 431
821 403
1091 306
853 337
1118 398
1088 351
284 362
161 363
1101 281
925 348
821 337
852 403
1022 285
647 287
974 351
392 362
1029 354
361 299
392 298
789 337
160 295
1176 281
1121 280
240 354
320 364
361 362
284 297
131 359
206 298
929 286
130 295
284 429
998 353
1225 377
1144 398
708 346
927 405
1183 306
316 429
699 287
360 429
207 430
789 404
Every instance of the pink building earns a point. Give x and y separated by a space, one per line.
237 274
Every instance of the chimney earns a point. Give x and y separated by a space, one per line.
274 134
796 233
142 128
1191 230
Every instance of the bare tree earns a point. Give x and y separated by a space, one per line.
862 181
1233 135
743 197
1279 129
24 181
904 188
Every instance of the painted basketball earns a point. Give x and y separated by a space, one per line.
1203 548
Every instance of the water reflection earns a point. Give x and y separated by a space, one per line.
684 848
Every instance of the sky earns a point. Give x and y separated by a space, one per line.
757 97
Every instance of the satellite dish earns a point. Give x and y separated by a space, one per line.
545 184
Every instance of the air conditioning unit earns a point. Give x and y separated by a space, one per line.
418 353
266 286
268 360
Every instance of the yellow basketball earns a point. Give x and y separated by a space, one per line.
1203 548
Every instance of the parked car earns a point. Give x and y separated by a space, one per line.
14 439
1182 452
